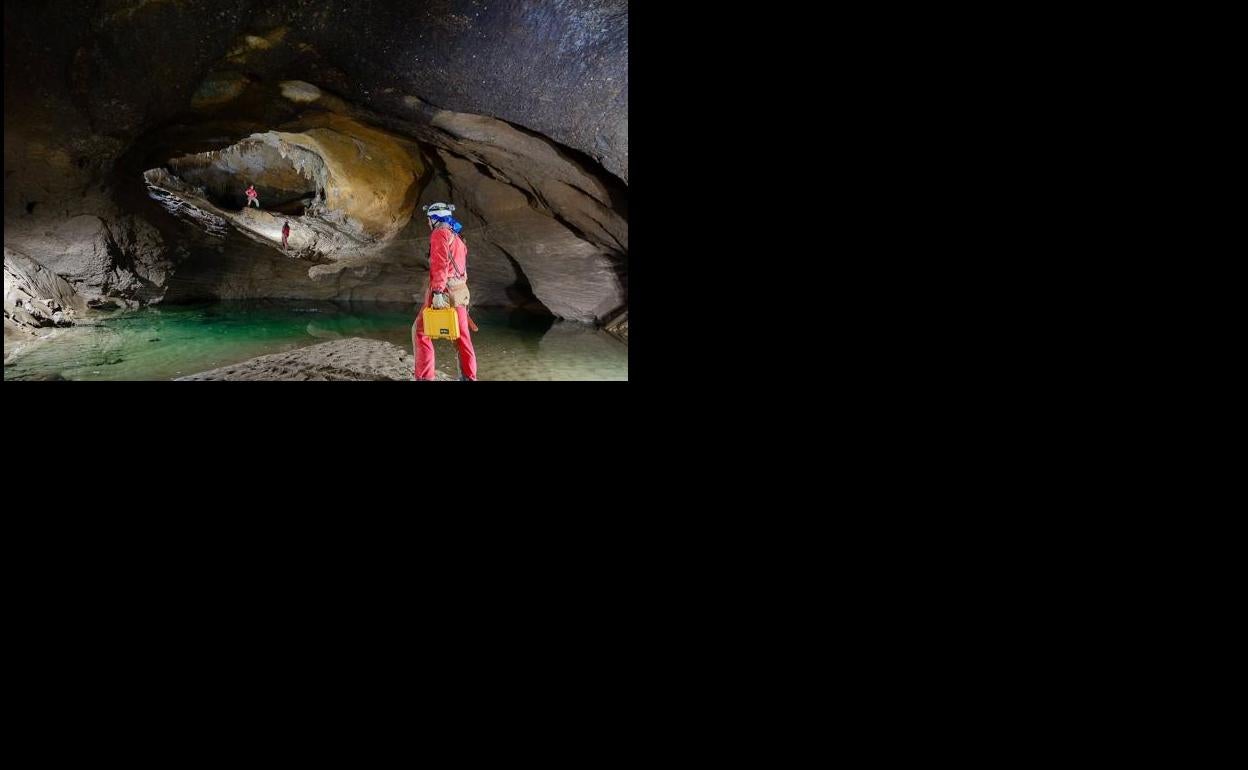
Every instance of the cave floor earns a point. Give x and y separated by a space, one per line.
168 342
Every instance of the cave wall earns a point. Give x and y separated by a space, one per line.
556 68
484 86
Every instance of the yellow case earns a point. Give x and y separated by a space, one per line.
441 324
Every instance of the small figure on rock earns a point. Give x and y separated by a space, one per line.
252 196
285 235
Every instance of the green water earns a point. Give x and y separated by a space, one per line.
165 342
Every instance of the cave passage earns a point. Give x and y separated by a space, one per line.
223 177
134 128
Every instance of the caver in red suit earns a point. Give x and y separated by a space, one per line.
448 256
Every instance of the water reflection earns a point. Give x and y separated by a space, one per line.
170 341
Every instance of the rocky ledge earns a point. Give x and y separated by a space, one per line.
354 358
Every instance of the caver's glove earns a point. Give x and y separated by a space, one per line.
439 301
